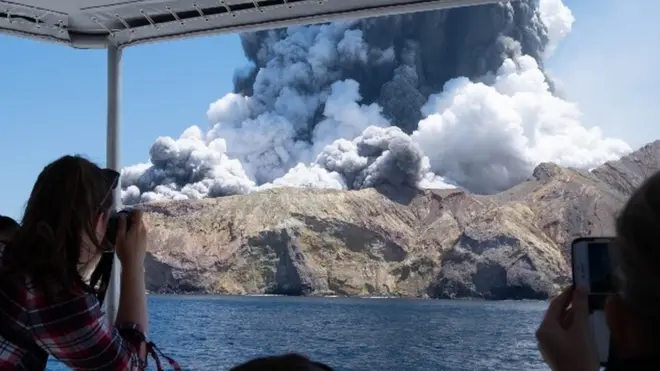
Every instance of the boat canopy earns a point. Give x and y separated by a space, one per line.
115 24
99 23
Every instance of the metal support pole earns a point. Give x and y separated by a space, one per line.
113 150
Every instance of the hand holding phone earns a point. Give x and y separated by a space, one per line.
564 336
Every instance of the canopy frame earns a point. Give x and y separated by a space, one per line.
131 22
113 161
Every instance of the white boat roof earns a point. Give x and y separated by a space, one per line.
98 23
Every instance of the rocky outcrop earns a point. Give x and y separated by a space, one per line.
501 254
387 241
627 173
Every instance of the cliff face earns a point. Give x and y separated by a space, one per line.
390 241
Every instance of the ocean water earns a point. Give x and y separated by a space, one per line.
215 333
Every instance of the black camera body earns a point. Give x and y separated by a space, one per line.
113 224
100 278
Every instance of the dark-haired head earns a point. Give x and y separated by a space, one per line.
287 362
8 226
634 315
64 223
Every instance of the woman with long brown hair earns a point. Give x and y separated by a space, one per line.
46 303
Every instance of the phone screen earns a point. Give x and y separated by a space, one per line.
600 268
592 268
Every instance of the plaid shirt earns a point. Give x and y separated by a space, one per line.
72 329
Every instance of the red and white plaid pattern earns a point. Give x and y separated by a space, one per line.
73 329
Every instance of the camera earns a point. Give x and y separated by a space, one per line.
113 224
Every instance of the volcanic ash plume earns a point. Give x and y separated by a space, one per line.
438 99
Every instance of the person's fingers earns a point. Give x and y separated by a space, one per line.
557 306
136 217
145 224
121 228
567 318
580 305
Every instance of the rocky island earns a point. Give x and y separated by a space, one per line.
390 241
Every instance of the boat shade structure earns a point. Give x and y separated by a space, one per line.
99 23
115 24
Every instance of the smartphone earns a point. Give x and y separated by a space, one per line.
593 268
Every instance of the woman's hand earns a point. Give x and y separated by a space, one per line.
131 247
131 244
564 337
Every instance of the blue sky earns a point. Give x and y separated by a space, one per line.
53 101
53 98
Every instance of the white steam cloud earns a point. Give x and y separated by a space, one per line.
304 122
